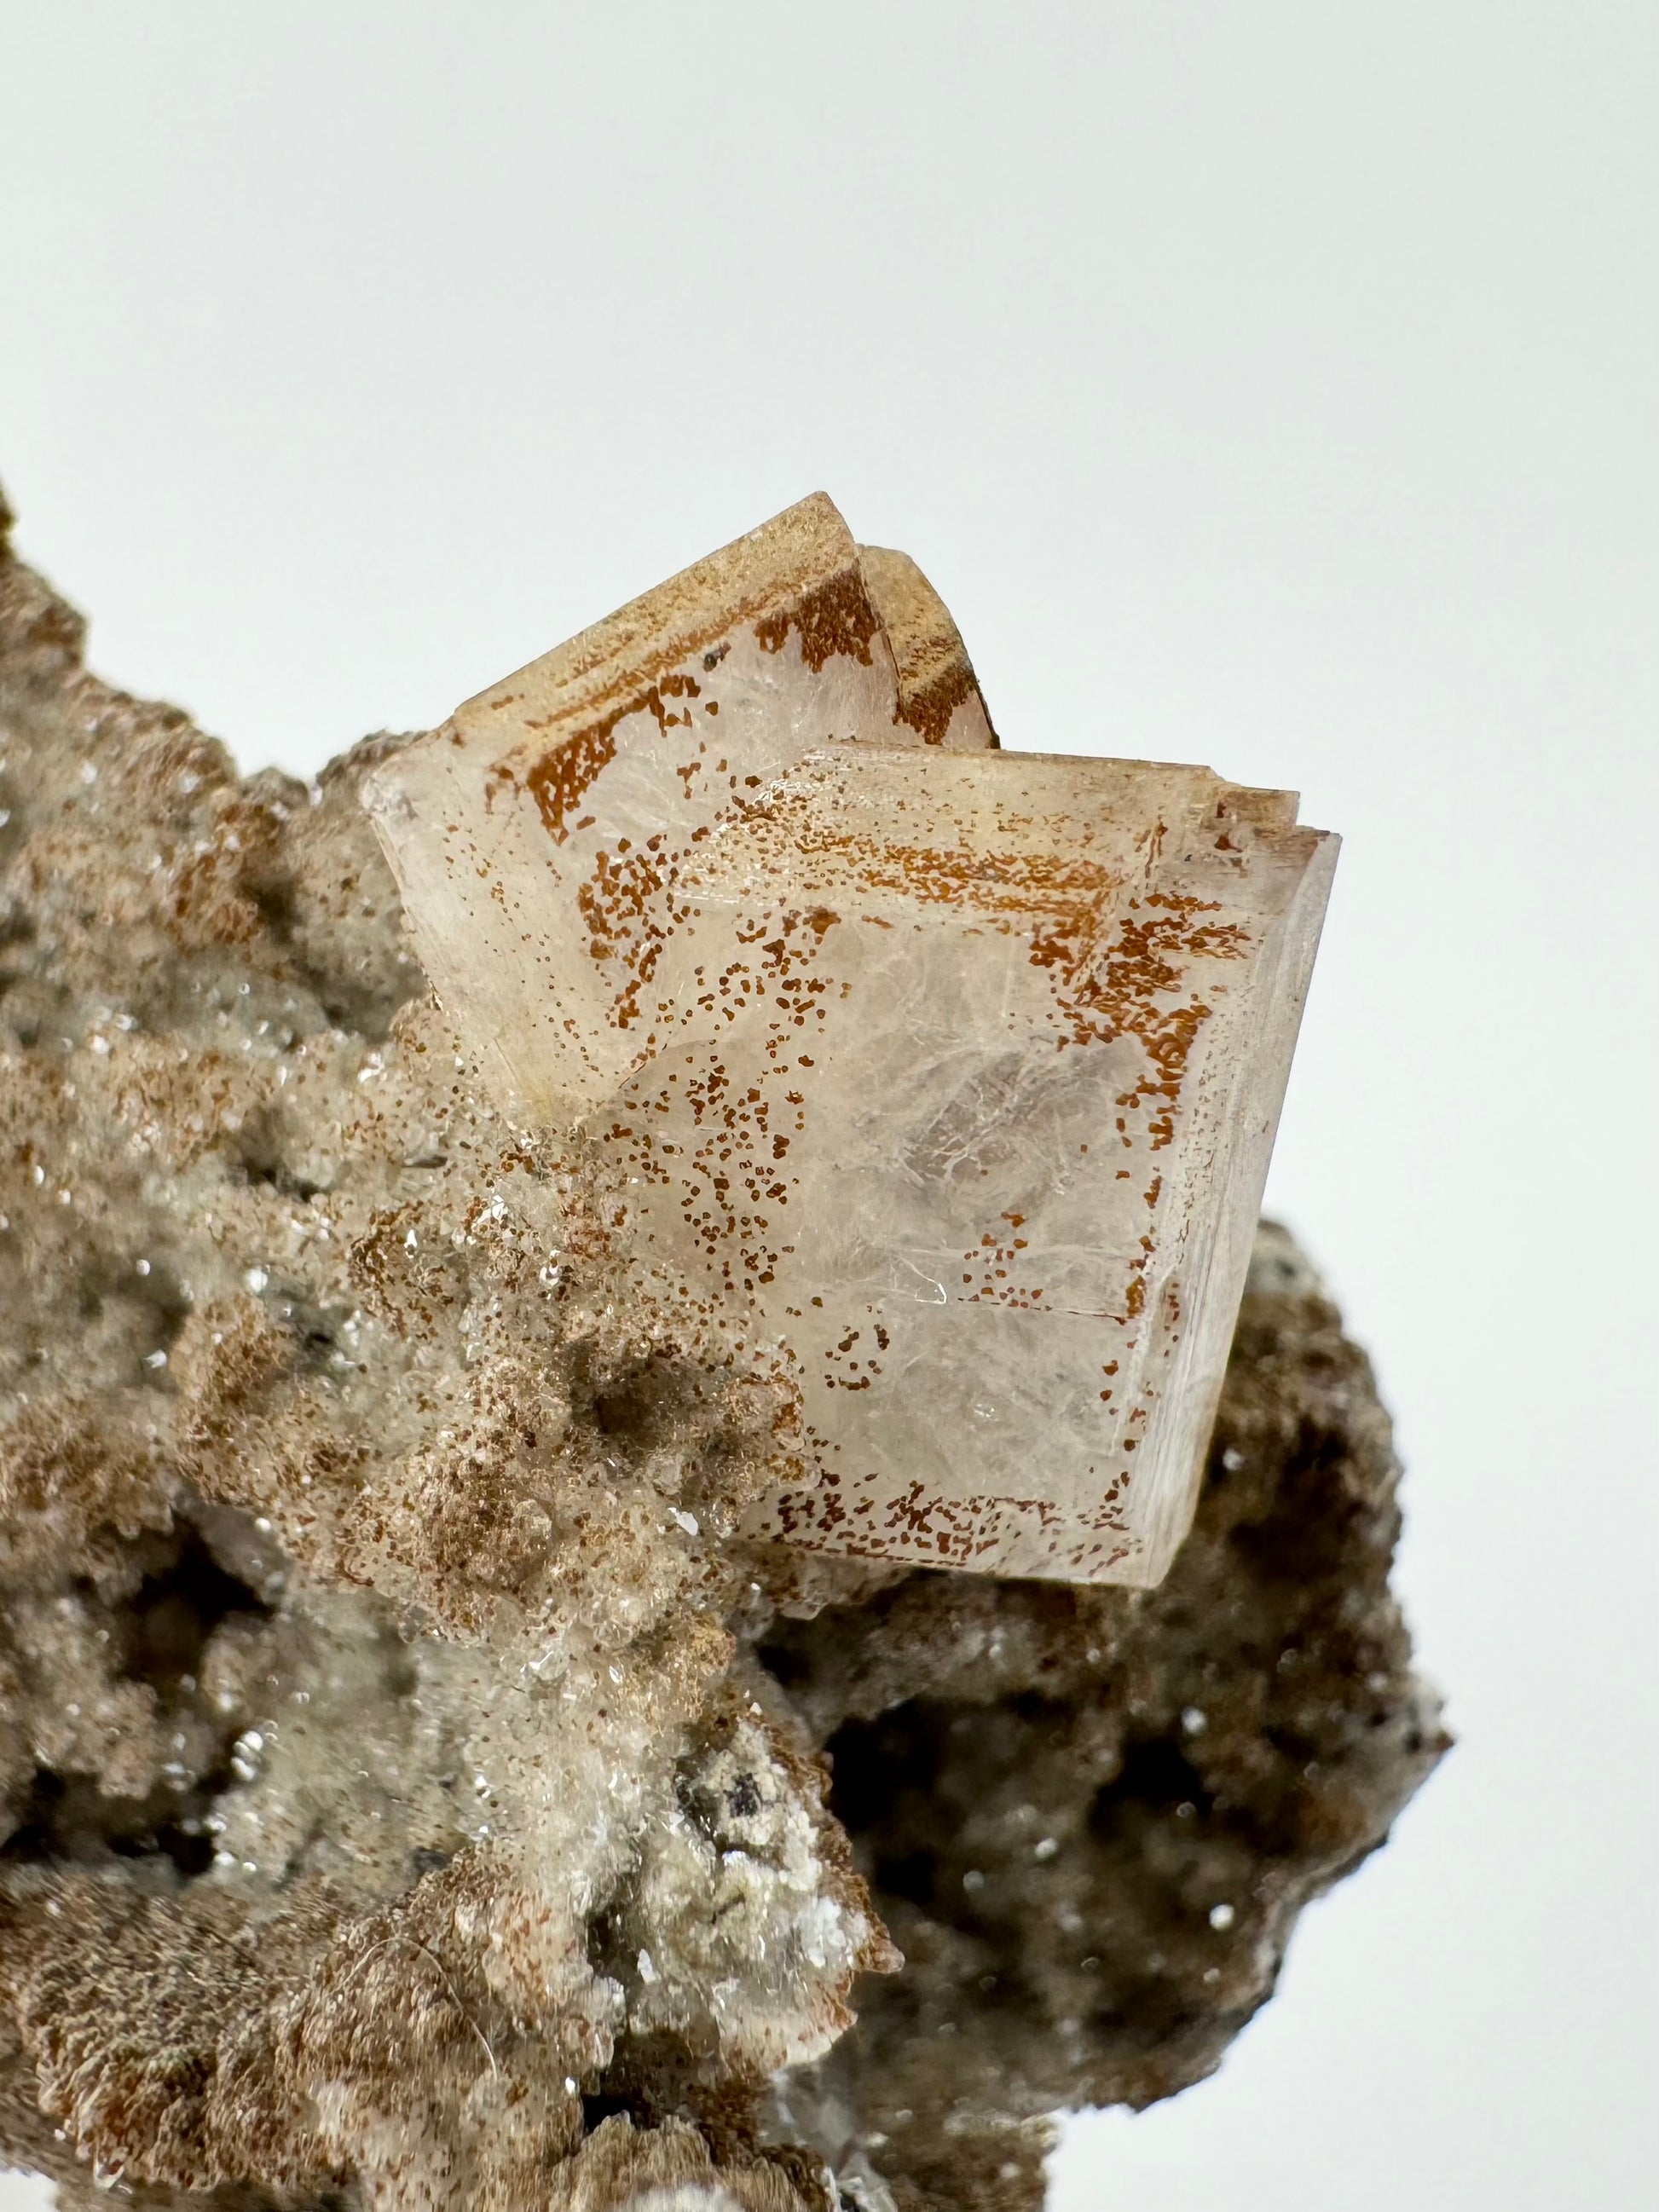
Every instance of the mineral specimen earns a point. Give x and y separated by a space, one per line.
936 1085
416 1791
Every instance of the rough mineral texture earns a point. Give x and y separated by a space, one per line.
414 1793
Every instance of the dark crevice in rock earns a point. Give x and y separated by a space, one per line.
176 1608
66 1821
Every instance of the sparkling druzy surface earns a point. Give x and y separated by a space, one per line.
939 1080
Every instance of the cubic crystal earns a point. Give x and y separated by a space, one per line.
937 1080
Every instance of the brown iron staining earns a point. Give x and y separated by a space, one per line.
560 778
928 707
834 617
1103 989
935 677
732 1179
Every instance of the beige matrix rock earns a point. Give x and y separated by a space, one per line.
426 1782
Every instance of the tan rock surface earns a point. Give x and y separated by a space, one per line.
412 1786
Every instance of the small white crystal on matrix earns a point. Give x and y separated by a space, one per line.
937 1080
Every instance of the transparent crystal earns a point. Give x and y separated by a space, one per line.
940 1080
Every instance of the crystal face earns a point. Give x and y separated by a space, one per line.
938 1080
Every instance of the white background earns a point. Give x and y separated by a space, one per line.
1268 384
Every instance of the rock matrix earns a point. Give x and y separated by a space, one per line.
423 1784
